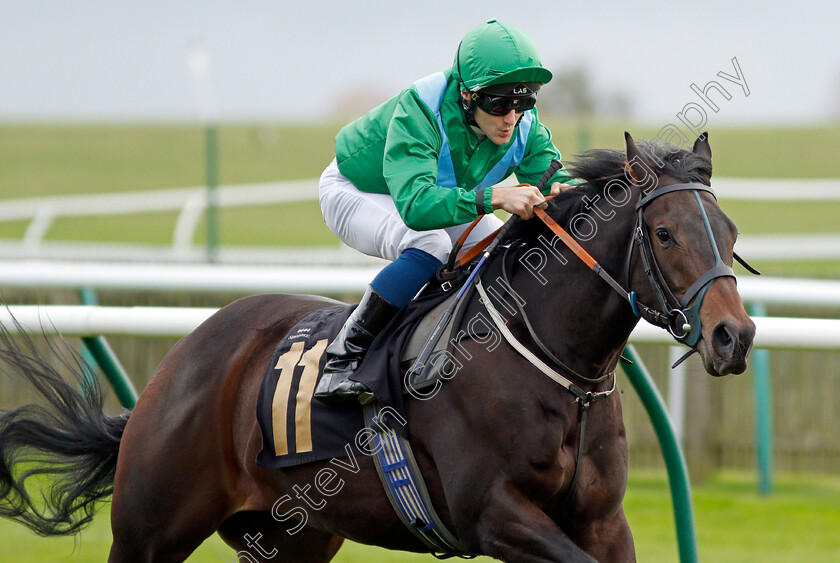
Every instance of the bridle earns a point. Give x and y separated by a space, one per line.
681 317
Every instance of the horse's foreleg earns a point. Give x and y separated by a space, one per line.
610 539
512 528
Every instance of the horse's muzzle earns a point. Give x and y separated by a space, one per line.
731 343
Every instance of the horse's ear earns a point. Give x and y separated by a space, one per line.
701 146
639 170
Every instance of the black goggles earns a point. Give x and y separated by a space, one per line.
502 105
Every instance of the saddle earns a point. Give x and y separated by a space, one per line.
298 429
469 321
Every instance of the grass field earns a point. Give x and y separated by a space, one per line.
42 160
799 522
69 159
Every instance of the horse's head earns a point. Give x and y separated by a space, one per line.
683 252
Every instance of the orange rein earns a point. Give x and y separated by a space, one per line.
561 233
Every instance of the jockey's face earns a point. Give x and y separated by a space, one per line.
498 128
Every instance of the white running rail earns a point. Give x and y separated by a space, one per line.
191 202
331 280
80 320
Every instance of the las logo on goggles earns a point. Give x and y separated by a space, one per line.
502 105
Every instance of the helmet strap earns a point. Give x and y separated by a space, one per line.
469 106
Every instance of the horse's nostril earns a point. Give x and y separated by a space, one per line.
723 340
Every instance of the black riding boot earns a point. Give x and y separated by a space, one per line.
345 353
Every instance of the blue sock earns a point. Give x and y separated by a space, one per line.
400 280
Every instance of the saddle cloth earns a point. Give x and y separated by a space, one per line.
297 428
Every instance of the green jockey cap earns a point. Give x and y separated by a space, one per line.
497 53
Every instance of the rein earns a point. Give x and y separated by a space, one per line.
680 317
537 340
584 397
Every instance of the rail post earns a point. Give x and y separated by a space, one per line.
763 410
98 349
674 461
199 66
212 169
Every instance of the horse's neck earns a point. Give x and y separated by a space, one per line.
583 320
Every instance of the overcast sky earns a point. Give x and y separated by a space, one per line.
117 60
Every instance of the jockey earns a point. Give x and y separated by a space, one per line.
411 174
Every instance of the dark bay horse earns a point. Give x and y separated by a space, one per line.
497 445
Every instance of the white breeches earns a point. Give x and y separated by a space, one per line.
370 222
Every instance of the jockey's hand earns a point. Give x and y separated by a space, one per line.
518 200
558 188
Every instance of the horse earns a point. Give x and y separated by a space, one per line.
500 446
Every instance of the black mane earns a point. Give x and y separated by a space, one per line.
597 167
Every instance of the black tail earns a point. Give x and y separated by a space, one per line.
58 456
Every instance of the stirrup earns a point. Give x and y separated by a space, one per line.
345 353
342 391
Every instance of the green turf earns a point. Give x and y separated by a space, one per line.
42 160
54 160
777 217
13 229
288 224
799 522
301 223
747 152
781 218
68 159
140 228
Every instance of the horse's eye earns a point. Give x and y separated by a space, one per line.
663 235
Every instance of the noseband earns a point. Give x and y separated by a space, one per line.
681 316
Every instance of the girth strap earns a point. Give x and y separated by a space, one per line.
405 488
